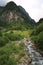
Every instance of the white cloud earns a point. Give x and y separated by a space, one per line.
34 8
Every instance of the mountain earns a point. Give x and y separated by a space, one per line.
14 15
26 15
24 12
40 21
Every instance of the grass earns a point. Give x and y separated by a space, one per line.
13 53
25 33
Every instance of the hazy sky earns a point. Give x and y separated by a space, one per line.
33 7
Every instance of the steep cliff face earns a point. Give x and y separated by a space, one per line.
10 16
10 13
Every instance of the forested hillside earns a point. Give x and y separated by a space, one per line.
37 35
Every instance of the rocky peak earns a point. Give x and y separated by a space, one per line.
10 6
11 13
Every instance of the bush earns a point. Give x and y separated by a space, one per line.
22 45
34 38
3 41
6 60
13 36
1 33
40 37
39 28
40 40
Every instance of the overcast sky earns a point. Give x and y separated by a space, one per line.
33 7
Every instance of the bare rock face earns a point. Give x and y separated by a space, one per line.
9 16
11 13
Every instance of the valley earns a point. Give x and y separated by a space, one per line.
20 37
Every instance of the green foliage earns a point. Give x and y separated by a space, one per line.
16 25
12 36
22 45
11 50
39 28
8 53
34 38
40 21
5 60
3 41
40 40
1 33
40 37
3 24
37 36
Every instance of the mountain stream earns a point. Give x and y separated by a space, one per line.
35 56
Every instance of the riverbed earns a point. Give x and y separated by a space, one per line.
36 57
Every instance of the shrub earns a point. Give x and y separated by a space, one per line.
34 38
22 45
1 33
3 41
40 40
13 36
39 28
6 60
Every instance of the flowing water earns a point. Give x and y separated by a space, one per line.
36 57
